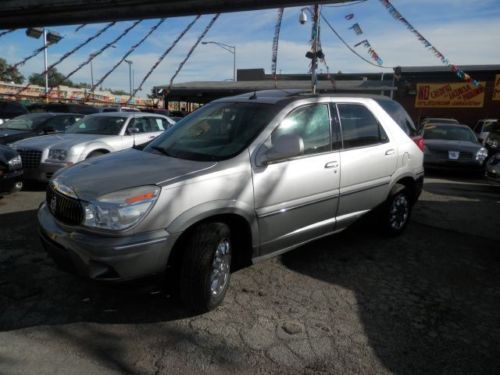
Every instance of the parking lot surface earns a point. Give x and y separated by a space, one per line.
425 302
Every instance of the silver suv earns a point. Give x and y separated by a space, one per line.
241 179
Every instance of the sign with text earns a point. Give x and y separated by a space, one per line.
449 95
496 88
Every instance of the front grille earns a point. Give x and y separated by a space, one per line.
444 154
30 158
64 208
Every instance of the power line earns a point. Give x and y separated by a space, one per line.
160 59
349 47
132 49
80 27
92 56
345 5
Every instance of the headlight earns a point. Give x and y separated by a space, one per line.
15 163
121 209
59 155
481 155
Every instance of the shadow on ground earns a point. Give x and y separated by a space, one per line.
428 300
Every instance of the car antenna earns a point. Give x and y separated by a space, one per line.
253 96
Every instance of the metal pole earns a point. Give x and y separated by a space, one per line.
46 65
91 74
130 77
315 32
234 63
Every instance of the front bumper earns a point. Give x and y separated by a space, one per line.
105 258
468 165
11 181
44 171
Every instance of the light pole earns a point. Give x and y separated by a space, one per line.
48 37
129 62
228 48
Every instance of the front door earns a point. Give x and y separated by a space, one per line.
296 198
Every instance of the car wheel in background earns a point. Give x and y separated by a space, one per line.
93 154
206 267
395 213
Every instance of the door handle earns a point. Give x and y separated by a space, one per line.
390 152
332 164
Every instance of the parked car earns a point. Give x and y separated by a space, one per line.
243 178
92 136
482 128
119 109
493 169
449 146
492 142
34 124
159 111
10 109
11 171
82 109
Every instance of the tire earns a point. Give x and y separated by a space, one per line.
205 267
396 212
93 154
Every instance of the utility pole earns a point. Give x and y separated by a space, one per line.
315 40
46 65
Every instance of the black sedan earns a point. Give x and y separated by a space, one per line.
11 171
450 146
33 124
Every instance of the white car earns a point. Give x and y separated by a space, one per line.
94 135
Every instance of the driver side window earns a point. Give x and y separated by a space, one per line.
311 124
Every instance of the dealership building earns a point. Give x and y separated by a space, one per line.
424 91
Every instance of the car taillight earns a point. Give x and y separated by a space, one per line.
419 140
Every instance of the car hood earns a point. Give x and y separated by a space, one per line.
443 145
62 141
126 169
12 135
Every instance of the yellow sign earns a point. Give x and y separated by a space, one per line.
449 95
496 88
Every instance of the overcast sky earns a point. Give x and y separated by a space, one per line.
465 31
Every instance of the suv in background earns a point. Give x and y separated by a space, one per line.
241 179
9 110
482 128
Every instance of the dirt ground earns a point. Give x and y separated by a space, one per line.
426 302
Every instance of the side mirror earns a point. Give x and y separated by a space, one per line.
284 147
131 131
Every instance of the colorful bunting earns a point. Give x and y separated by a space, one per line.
459 72
356 28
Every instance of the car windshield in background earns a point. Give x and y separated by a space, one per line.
26 122
449 133
105 125
217 131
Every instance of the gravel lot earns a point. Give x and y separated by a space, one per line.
426 302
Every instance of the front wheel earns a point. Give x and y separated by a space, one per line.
206 267
396 213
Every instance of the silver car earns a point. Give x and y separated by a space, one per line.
241 179
94 135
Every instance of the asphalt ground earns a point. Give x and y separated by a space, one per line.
426 302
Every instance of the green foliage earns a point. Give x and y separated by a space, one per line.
7 74
55 79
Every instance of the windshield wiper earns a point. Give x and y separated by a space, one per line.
162 150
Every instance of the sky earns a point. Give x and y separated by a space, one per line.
465 31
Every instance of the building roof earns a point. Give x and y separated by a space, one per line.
446 68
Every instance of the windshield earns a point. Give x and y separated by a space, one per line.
398 114
26 122
449 133
216 131
105 125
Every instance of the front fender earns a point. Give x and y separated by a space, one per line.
94 147
210 209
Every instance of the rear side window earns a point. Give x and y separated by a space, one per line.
398 114
360 128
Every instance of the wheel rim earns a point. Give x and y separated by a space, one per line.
400 209
220 268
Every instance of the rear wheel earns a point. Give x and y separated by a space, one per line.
206 267
396 212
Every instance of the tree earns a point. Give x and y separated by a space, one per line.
8 74
119 92
55 79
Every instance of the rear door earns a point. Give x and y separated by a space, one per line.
368 160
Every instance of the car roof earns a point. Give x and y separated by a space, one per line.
446 125
289 95
124 114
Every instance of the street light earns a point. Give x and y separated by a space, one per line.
129 62
228 48
48 37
